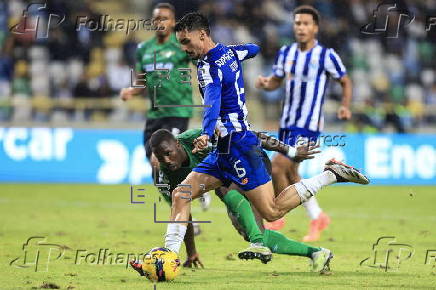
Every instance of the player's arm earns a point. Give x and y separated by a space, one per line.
275 80
129 93
270 83
298 153
335 67
192 257
344 112
212 78
246 51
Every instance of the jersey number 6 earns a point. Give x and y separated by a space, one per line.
239 170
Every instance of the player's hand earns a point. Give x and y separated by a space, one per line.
261 82
306 151
127 93
193 260
344 113
200 143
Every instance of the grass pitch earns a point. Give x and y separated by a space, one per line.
83 220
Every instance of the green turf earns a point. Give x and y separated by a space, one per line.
92 217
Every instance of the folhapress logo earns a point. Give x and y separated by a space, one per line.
36 21
387 20
37 253
388 254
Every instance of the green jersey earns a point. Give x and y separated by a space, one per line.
174 178
168 91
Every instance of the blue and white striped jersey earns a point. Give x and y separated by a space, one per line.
307 74
222 87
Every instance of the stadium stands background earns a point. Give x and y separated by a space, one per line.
72 78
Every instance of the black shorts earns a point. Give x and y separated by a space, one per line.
175 125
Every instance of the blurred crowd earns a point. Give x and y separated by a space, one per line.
46 79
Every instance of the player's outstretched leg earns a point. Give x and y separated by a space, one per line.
248 223
271 208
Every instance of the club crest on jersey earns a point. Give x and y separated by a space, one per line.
167 54
147 56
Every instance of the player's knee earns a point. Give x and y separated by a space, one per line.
294 176
280 164
271 218
180 197
277 170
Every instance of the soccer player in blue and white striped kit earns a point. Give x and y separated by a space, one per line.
307 67
238 157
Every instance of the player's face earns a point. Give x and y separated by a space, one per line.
192 42
305 28
165 21
169 153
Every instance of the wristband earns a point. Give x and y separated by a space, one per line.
291 152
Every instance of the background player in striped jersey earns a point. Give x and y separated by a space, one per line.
307 67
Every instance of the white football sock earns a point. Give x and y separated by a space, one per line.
306 188
312 208
174 236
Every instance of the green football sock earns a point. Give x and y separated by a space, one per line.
280 244
241 209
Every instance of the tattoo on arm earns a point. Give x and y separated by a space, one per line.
271 143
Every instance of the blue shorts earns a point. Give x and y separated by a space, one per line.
238 158
291 135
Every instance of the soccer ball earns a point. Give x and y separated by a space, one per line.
161 264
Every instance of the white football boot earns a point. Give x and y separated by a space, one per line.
345 173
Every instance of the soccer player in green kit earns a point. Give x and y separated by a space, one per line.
170 89
176 158
170 92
